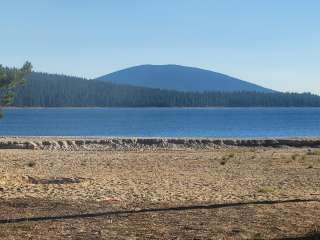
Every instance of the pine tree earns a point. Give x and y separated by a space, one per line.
10 78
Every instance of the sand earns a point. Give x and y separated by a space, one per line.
43 183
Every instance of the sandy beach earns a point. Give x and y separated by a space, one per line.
156 191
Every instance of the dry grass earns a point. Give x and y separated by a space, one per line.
267 189
315 152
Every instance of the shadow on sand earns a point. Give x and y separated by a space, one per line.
154 210
310 236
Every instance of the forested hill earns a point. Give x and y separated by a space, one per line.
180 78
51 90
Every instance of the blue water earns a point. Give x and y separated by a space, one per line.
169 122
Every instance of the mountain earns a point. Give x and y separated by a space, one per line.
180 78
54 90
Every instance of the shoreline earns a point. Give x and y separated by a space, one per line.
155 107
151 143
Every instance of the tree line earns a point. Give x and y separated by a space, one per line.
54 90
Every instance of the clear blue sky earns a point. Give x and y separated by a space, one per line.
274 43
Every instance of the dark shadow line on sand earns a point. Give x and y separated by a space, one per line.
154 210
310 236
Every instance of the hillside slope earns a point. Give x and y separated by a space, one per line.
180 78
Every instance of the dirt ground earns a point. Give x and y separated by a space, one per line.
224 193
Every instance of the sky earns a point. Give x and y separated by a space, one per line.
272 43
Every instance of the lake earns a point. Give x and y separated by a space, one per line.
167 122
